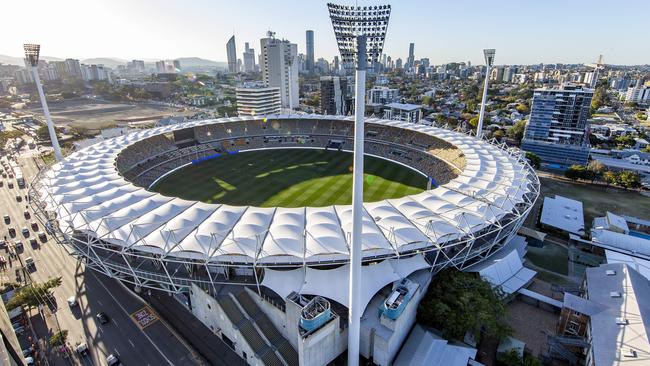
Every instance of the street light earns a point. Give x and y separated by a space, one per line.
489 61
360 32
32 52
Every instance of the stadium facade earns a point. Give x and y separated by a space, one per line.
272 282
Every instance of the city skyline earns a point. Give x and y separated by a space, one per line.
200 29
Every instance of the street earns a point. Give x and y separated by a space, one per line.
155 344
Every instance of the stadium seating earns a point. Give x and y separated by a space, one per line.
145 161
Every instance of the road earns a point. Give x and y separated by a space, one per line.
154 345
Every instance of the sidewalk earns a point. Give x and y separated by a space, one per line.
211 347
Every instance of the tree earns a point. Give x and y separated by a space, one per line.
512 358
32 295
522 108
534 160
516 132
610 177
59 338
575 172
596 169
600 98
629 179
459 302
625 141
498 135
43 134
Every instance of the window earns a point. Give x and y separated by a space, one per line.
573 328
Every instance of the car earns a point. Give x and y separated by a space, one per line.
72 301
18 245
29 360
34 225
12 232
25 232
29 262
19 198
42 236
33 243
81 349
10 185
7 219
112 360
2 182
102 317
27 215
3 244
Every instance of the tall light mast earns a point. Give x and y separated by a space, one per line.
32 52
489 61
360 32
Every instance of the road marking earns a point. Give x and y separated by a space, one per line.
115 322
131 343
144 317
117 352
100 303
125 312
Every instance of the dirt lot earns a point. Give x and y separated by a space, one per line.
95 114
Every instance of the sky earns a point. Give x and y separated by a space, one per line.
522 32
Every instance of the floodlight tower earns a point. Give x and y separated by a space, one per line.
360 32
489 61
32 52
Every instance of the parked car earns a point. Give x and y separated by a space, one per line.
72 301
7 219
12 232
19 198
102 317
3 244
27 215
25 232
34 225
18 245
29 262
42 236
81 349
33 243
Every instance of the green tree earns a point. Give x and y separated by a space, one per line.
459 302
59 338
610 177
32 295
575 172
43 134
534 160
600 98
516 132
498 135
629 179
522 108
625 141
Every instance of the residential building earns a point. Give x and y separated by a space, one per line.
231 53
73 67
280 68
310 51
334 98
382 95
638 94
410 61
255 100
403 112
557 130
249 58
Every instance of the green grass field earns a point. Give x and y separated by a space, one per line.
288 178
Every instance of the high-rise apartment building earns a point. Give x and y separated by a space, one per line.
280 68
255 100
249 58
557 130
231 53
334 97
310 51
74 67
638 94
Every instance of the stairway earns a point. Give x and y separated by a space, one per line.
257 329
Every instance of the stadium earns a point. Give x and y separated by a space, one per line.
267 263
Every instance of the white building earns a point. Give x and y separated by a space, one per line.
280 68
382 95
640 94
256 101
403 112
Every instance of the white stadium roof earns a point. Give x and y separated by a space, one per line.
90 195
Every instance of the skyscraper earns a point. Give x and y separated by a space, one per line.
310 51
410 61
557 130
249 58
231 51
280 68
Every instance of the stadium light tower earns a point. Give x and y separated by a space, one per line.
489 61
32 52
360 32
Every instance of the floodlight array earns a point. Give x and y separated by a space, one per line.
349 22
489 56
32 52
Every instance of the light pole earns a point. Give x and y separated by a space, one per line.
360 31
31 55
489 61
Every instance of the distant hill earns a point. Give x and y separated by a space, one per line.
12 60
106 61
200 62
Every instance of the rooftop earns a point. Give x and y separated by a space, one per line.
563 213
